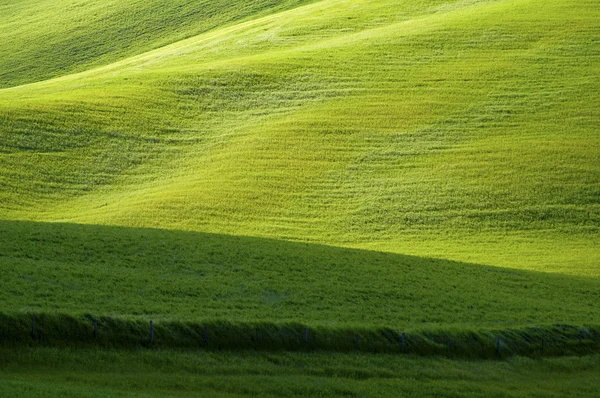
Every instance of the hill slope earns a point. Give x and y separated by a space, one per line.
174 275
465 130
457 129
44 39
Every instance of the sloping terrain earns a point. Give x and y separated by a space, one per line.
42 39
455 129
190 276
243 178
464 130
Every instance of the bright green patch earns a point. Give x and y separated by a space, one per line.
45 39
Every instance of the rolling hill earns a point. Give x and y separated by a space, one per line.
334 163
462 130
295 173
45 39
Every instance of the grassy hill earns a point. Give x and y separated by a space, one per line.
172 275
289 161
45 39
356 167
462 130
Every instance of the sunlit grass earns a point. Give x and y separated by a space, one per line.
45 39
255 136
462 130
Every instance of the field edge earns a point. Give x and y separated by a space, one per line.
62 330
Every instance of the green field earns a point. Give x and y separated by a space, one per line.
348 166
69 373
173 275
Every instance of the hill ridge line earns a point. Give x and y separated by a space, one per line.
110 65
215 33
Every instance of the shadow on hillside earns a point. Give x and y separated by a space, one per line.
139 272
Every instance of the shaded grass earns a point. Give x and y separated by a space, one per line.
90 372
55 330
172 275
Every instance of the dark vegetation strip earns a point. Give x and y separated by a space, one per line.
56 330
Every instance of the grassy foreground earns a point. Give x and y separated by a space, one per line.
217 291
93 373
156 274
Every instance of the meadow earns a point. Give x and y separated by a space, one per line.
354 168
77 373
461 130
50 267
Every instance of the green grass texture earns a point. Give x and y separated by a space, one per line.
464 130
188 276
94 373
334 163
42 39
